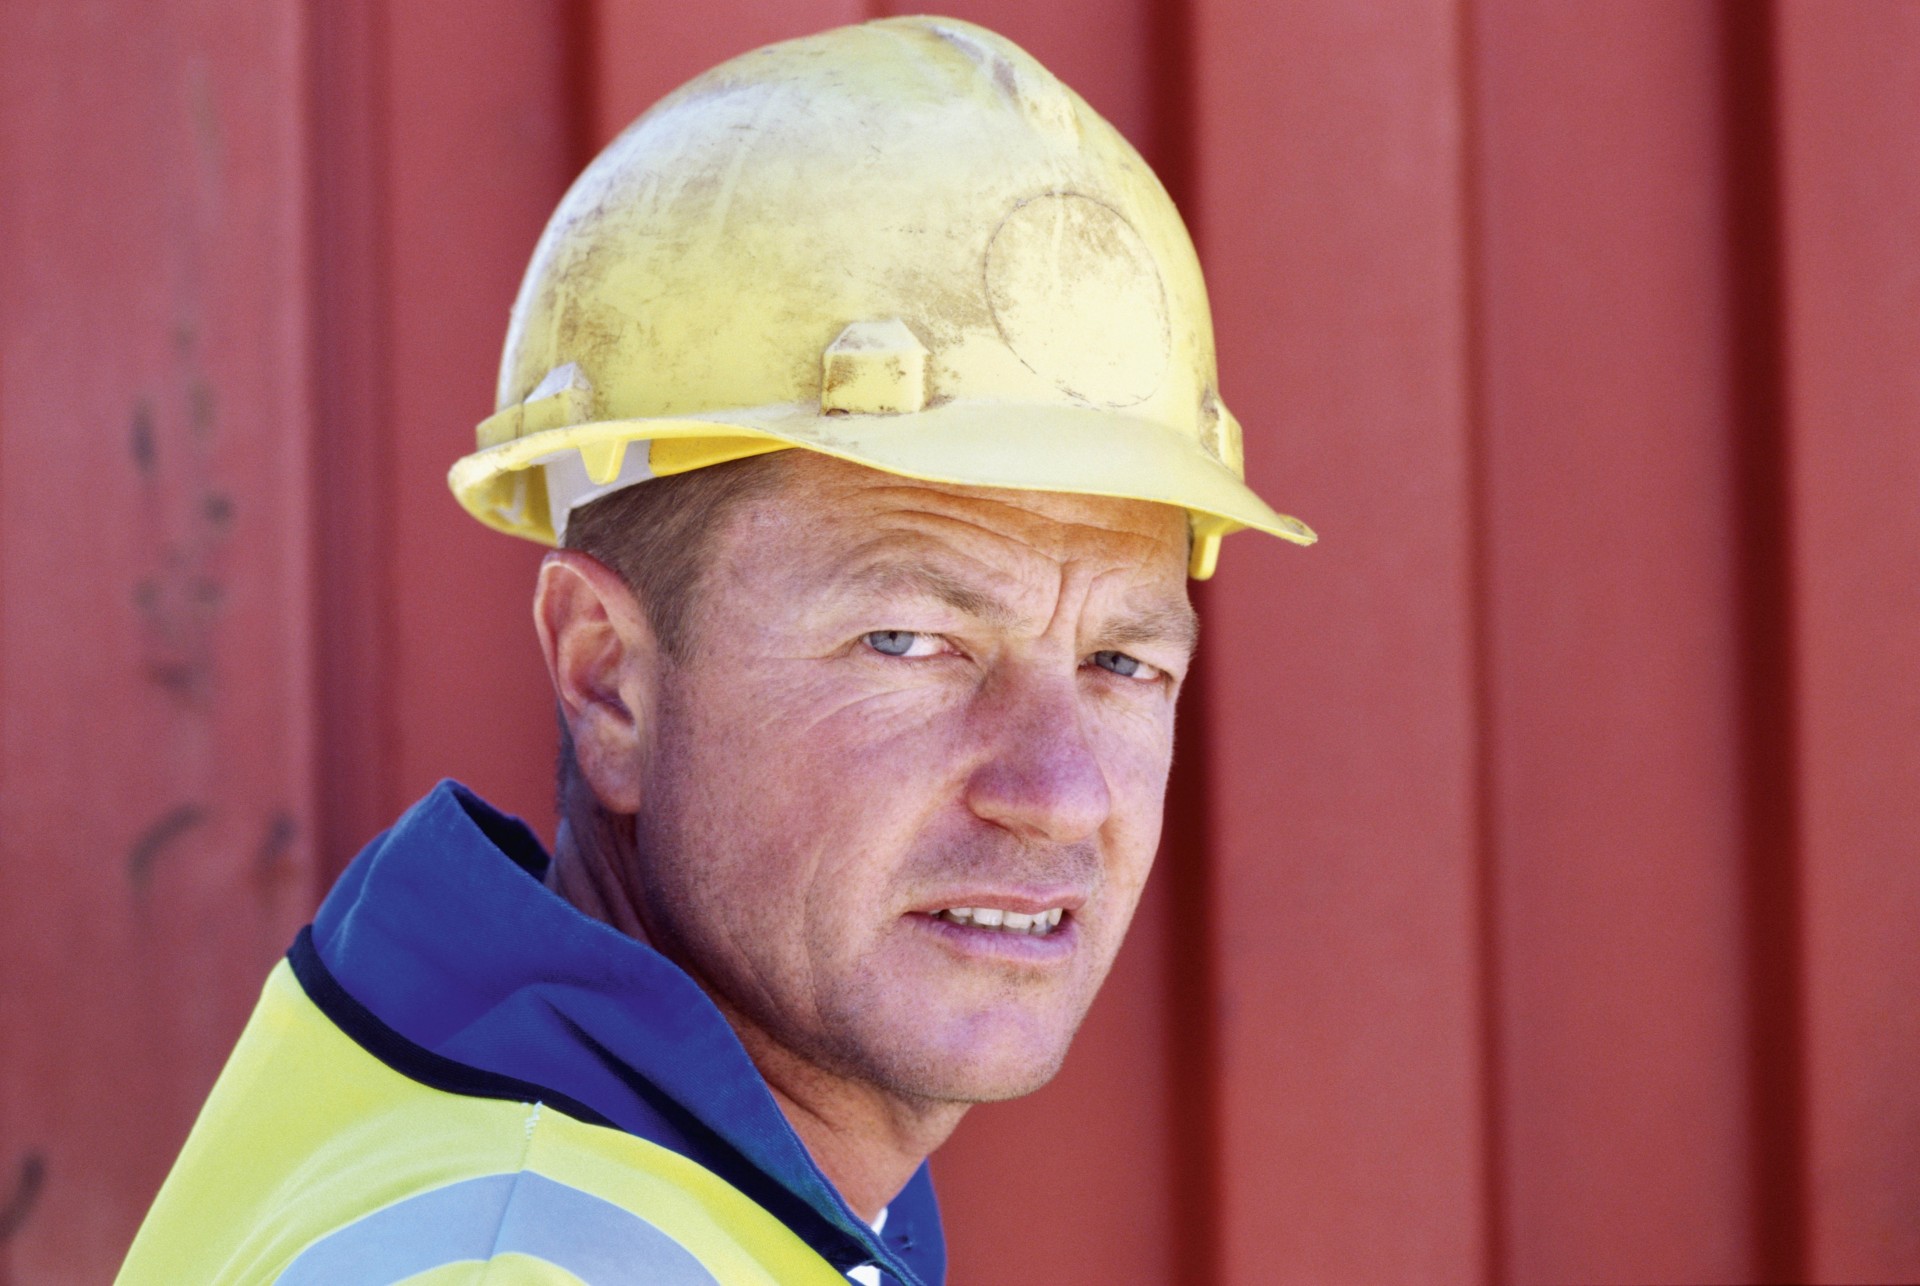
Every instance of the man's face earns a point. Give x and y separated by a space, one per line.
900 700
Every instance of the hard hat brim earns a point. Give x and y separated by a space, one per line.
1023 447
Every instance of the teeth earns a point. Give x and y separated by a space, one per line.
1039 924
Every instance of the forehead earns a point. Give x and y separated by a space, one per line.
828 516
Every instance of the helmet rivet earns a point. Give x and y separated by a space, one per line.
874 368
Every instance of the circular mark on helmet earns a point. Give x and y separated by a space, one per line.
1078 298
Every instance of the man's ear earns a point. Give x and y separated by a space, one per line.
604 661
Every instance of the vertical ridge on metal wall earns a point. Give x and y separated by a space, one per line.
1758 456
1847 96
1493 1165
584 79
1192 979
350 469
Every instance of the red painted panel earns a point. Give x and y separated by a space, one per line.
1849 108
155 723
1614 686
479 147
1341 678
640 51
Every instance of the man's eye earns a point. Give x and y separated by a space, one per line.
907 643
1127 667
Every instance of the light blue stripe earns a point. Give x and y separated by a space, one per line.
476 1219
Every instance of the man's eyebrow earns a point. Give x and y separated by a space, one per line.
1176 624
932 582
1171 623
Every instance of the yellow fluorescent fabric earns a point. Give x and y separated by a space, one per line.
308 1142
502 1270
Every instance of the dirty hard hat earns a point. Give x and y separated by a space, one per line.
904 244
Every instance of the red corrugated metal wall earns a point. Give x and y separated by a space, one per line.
1542 887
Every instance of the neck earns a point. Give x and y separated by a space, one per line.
866 1140
589 871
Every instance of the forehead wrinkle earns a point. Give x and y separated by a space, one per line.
1051 535
913 576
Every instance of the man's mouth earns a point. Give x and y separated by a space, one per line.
1038 925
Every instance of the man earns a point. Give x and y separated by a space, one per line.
867 383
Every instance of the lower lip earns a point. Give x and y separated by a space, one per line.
976 943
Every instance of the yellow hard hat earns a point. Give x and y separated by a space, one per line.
905 244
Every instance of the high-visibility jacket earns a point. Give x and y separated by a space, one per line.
456 1077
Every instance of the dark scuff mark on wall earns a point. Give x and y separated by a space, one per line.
152 844
140 443
20 1202
186 523
270 856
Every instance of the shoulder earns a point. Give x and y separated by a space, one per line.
314 1161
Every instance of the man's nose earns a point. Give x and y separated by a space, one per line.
1039 776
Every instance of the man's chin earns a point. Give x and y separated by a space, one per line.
967 1071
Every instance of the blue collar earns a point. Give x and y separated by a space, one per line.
442 930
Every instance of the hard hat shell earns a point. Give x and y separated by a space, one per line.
903 243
